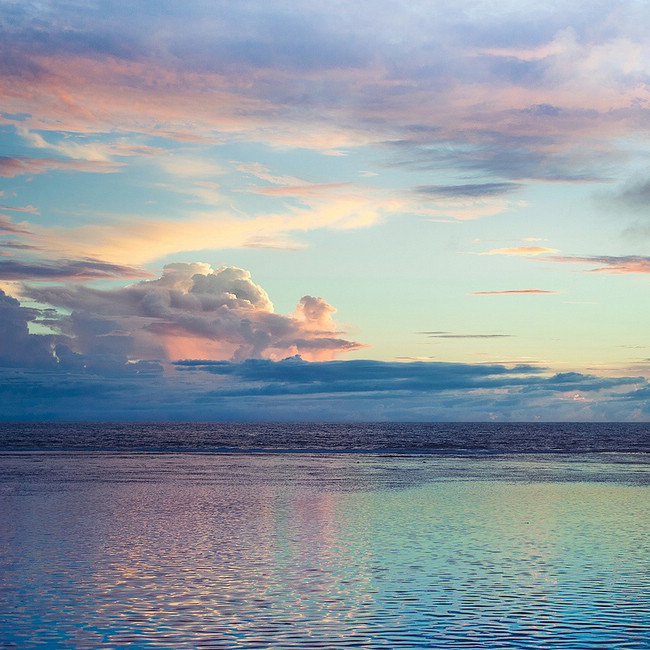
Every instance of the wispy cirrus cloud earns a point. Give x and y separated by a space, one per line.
263 172
8 226
306 191
634 195
29 209
22 165
87 269
521 251
450 335
513 292
475 190
127 239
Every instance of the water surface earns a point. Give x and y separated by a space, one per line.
246 549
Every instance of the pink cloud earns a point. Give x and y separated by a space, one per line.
315 190
8 226
127 239
609 264
78 94
193 311
521 251
19 166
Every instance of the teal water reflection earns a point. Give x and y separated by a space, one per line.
103 550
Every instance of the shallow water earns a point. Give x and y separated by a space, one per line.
204 550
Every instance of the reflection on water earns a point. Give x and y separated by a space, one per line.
326 551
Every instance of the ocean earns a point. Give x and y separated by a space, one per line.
219 535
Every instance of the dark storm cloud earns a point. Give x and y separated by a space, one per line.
295 376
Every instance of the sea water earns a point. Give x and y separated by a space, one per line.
324 536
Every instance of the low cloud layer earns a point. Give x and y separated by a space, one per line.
108 360
295 389
294 375
21 165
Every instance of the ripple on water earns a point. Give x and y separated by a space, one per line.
246 552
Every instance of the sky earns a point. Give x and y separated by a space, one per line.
310 210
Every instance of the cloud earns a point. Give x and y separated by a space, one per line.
499 153
7 226
477 190
294 389
621 265
90 372
189 166
19 348
524 251
313 190
126 239
513 292
296 376
22 165
264 173
192 311
491 92
635 195
448 335
30 209
65 269
69 149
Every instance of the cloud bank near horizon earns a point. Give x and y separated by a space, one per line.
88 370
